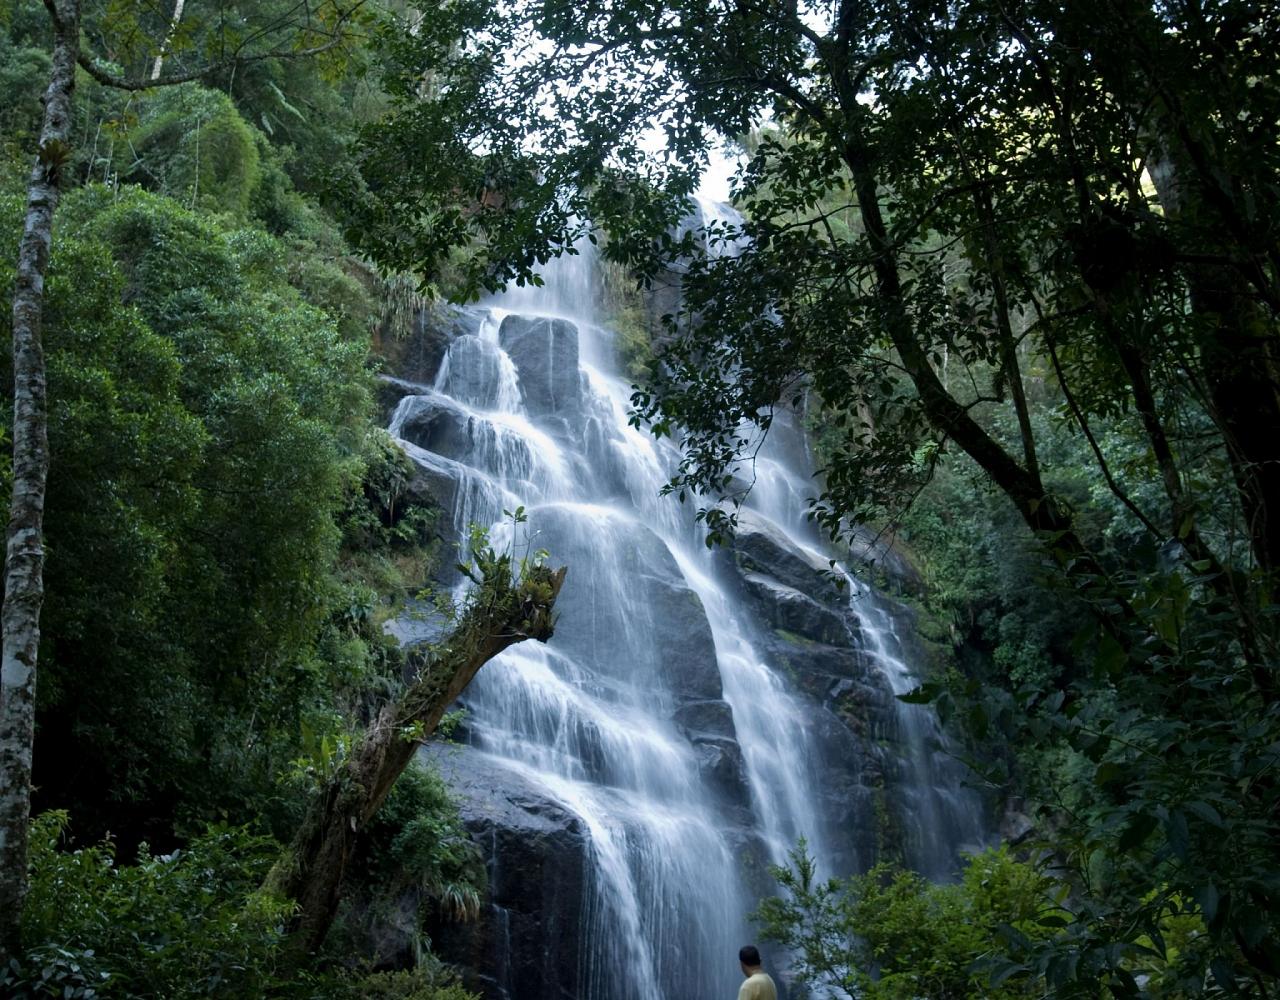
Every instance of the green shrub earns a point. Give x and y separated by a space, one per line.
891 934
381 513
429 982
418 836
192 144
415 844
191 923
632 343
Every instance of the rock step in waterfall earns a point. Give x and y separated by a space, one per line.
696 713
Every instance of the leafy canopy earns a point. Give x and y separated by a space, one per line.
969 234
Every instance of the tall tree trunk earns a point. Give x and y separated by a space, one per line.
947 415
174 22
24 556
1240 365
1234 297
499 615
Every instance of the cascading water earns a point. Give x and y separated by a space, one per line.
940 811
653 726
939 814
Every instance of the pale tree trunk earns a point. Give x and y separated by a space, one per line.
24 556
500 614
158 65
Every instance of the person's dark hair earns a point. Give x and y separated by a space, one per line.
749 955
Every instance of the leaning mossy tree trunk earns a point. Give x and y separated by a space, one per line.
504 609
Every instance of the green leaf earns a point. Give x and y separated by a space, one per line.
1206 812
1136 831
1206 897
1176 834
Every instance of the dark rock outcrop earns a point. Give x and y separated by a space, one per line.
391 390
475 372
812 635
545 353
886 560
537 855
435 484
760 546
788 609
793 591
708 725
437 424
721 765
687 645
705 718
417 356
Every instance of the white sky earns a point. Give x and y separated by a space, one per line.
715 182
723 160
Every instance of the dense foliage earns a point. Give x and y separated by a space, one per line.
1019 263
185 924
226 528
889 933
194 922
221 387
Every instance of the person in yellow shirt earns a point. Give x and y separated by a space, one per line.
758 985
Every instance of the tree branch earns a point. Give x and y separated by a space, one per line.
235 61
499 613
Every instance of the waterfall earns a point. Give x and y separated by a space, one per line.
654 757
939 814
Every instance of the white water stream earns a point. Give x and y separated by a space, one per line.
531 410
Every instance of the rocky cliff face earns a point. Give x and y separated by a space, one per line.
809 631
536 854
655 661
